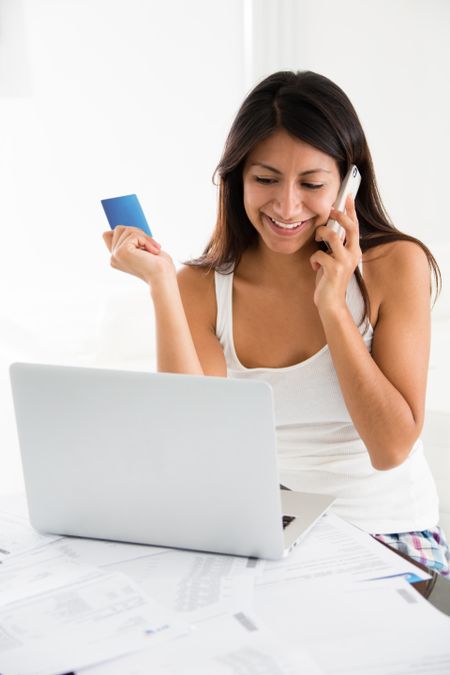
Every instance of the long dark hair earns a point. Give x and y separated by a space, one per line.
312 108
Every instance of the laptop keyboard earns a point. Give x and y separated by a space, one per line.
287 520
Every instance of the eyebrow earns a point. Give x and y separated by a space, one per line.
303 173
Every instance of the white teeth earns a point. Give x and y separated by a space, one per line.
286 226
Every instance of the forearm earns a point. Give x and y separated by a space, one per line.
175 348
380 413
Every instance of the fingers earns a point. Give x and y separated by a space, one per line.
131 237
319 260
348 221
332 237
151 245
352 229
107 238
333 270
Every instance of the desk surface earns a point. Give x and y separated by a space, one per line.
436 590
329 621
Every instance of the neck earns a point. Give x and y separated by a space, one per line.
265 267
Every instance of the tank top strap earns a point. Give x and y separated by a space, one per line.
224 321
224 300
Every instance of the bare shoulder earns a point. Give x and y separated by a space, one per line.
396 273
397 265
200 278
197 291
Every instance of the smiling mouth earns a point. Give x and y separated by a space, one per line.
286 226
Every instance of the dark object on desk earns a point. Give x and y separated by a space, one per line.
436 590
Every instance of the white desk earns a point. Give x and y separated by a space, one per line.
214 614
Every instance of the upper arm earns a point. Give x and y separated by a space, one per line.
197 292
400 278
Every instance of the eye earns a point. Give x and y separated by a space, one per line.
265 181
313 186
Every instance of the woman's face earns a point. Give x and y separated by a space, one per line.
289 189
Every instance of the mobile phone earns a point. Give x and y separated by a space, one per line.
350 184
125 211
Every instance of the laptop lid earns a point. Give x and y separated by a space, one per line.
155 458
163 459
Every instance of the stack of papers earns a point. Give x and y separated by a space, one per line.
17 536
338 551
339 603
379 627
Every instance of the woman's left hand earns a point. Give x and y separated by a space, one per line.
335 268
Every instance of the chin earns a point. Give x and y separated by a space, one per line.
287 248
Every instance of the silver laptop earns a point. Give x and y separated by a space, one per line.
154 458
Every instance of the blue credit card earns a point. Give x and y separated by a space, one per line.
125 211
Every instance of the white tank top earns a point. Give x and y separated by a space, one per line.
319 449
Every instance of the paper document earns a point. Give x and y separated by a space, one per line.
232 644
40 570
100 553
79 625
375 627
17 536
336 549
194 584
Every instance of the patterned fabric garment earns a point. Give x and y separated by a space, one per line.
428 547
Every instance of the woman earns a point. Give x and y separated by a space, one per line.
340 329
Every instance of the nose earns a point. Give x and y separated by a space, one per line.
288 201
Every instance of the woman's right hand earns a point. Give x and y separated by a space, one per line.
134 252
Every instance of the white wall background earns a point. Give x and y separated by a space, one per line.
106 97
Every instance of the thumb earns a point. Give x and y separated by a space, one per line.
151 245
107 238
